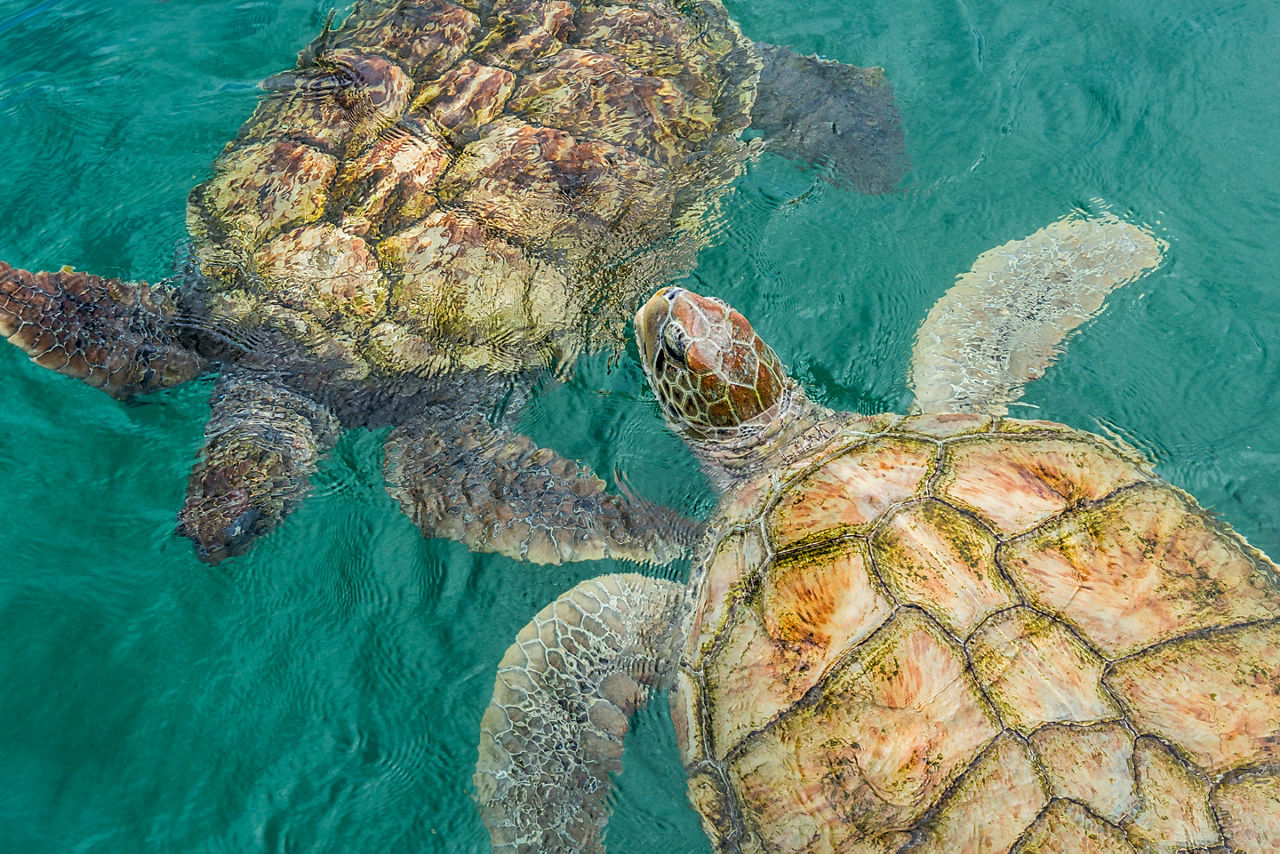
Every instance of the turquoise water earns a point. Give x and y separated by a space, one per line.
322 693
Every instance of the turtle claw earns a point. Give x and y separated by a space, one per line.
116 336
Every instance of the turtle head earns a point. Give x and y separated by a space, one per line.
712 374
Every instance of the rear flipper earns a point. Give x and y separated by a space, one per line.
553 731
262 444
836 115
118 336
496 491
1003 323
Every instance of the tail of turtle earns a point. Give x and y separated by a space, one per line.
553 731
838 116
1003 323
121 337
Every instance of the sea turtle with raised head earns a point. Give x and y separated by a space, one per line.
440 203
948 632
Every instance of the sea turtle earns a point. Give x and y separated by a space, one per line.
949 632
442 200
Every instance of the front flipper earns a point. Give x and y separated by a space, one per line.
832 114
118 336
553 731
496 491
262 444
1003 323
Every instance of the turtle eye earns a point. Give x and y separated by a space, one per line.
675 342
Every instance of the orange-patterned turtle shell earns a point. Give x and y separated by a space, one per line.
959 633
950 632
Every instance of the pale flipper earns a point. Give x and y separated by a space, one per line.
836 115
1003 323
553 732
122 337
496 491
262 444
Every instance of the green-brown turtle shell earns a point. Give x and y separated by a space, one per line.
958 633
460 185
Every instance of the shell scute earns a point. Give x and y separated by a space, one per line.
1068 826
1030 425
1177 690
328 272
990 806
1036 671
656 41
1090 764
392 183
944 425
823 598
897 723
712 803
848 493
257 190
1015 483
934 556
811 608
1249 810
1174 811
686 717
465 99
375 90
1142 567
730 575
336 105
543 188
462 296
311 118
423 36
523 31
598 95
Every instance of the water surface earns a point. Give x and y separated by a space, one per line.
322 693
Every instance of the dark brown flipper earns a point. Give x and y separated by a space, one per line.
553 732
835 115
496 491
262 444
116 336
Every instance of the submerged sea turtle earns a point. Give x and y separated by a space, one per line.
442 200
950 632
